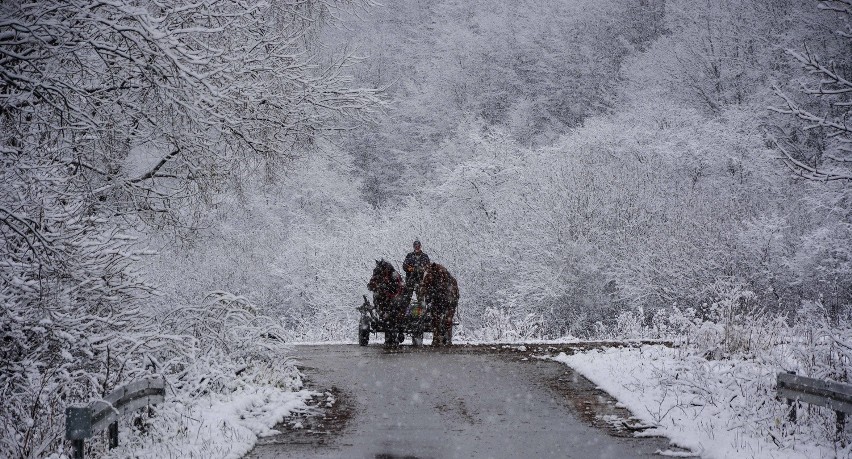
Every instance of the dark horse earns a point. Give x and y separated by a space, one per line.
387 287
441 293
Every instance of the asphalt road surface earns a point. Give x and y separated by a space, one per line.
462 402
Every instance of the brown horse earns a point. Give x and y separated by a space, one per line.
441 293
387 287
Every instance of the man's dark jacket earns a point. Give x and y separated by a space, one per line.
414 264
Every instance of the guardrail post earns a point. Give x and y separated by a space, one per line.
791 406
77 447
112 434
82 421
78 427
791 411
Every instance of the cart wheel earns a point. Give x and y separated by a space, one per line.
417 339
363 337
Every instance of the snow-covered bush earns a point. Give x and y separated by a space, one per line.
735 323
627 325
222 338
501 325
70 318
724 366
229 372
821 345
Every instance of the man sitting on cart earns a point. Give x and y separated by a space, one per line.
414 266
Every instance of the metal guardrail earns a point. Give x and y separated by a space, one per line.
832 395
82 421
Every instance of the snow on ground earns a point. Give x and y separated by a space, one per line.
717 409
221 425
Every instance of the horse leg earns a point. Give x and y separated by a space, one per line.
385 318
391 335
401 312
437 326
433 324
390 329
448 325
396 317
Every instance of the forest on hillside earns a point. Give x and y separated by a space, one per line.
226 173
570 166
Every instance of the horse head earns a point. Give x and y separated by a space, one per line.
382 274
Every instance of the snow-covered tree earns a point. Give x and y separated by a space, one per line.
824 105
113 116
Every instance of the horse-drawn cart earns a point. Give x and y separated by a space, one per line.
394 313
414 323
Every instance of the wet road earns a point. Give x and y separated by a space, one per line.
428 403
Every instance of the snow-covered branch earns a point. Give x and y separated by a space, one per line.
831 93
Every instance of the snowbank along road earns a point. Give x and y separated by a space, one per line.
464 401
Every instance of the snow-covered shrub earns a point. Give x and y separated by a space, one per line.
735 323
71 353
673 323
71 325
503 325
727 360
819 348
627 325
224 337
224 363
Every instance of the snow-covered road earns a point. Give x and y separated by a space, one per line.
464 402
